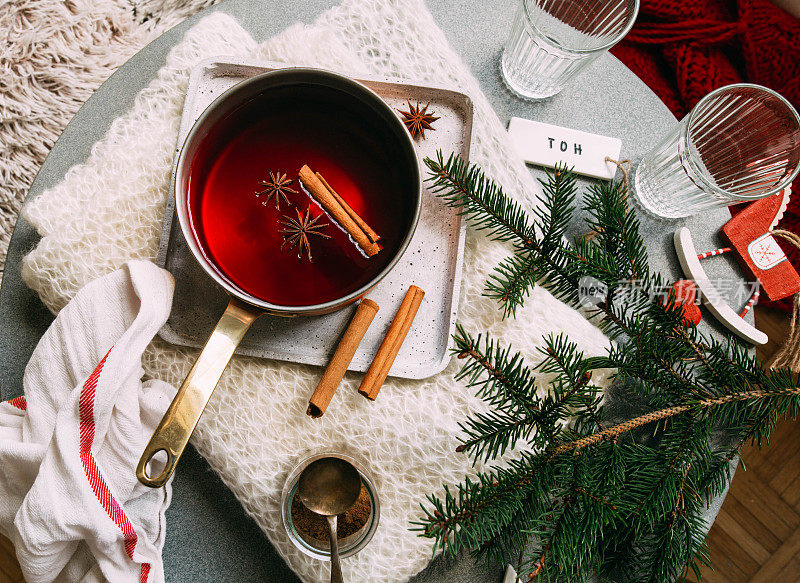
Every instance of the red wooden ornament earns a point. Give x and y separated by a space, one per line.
685 293
757 250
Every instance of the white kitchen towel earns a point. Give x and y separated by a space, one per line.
109 209
69 498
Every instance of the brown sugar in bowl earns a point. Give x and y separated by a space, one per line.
348 524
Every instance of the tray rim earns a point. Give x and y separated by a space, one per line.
170 335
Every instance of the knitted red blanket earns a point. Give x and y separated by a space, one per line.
683 50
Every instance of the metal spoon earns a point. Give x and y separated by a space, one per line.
329 486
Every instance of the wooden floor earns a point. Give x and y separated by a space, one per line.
757 534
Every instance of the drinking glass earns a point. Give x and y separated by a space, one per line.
740 142
552 40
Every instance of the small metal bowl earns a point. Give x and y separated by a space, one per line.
349 545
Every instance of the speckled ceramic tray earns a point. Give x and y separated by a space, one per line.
432 260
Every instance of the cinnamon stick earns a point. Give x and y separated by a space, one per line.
382 363
372 235
332 203
334 374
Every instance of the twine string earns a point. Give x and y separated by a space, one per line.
624 167
791 238
789 354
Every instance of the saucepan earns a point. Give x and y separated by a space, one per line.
259 234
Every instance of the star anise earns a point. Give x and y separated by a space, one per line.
296 232
276 187
418 120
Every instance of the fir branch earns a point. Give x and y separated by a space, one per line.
479 509
601 494
489 435
501 548
474 500
465 187
550 536
617 228
674 463
555 210
507 381
512 281
699 408
717 475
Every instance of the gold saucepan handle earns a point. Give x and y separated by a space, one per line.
178 423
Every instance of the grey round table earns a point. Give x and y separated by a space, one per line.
209 535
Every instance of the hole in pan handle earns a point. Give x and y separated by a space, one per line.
178 423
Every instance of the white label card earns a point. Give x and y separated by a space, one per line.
544 144
765 252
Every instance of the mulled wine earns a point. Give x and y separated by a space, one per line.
252 238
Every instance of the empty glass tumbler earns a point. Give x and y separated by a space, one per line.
552 40
740 143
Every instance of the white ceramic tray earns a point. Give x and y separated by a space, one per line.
432 260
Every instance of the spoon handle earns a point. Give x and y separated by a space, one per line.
336 568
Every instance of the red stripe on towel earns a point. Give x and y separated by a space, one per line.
19 403
96 480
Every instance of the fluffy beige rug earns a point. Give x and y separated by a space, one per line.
53 55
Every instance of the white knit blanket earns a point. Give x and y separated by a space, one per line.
109 210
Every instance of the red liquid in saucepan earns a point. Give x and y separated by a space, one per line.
242 236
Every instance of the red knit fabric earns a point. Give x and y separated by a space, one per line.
683 50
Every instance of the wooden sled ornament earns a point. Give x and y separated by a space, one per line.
761 258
